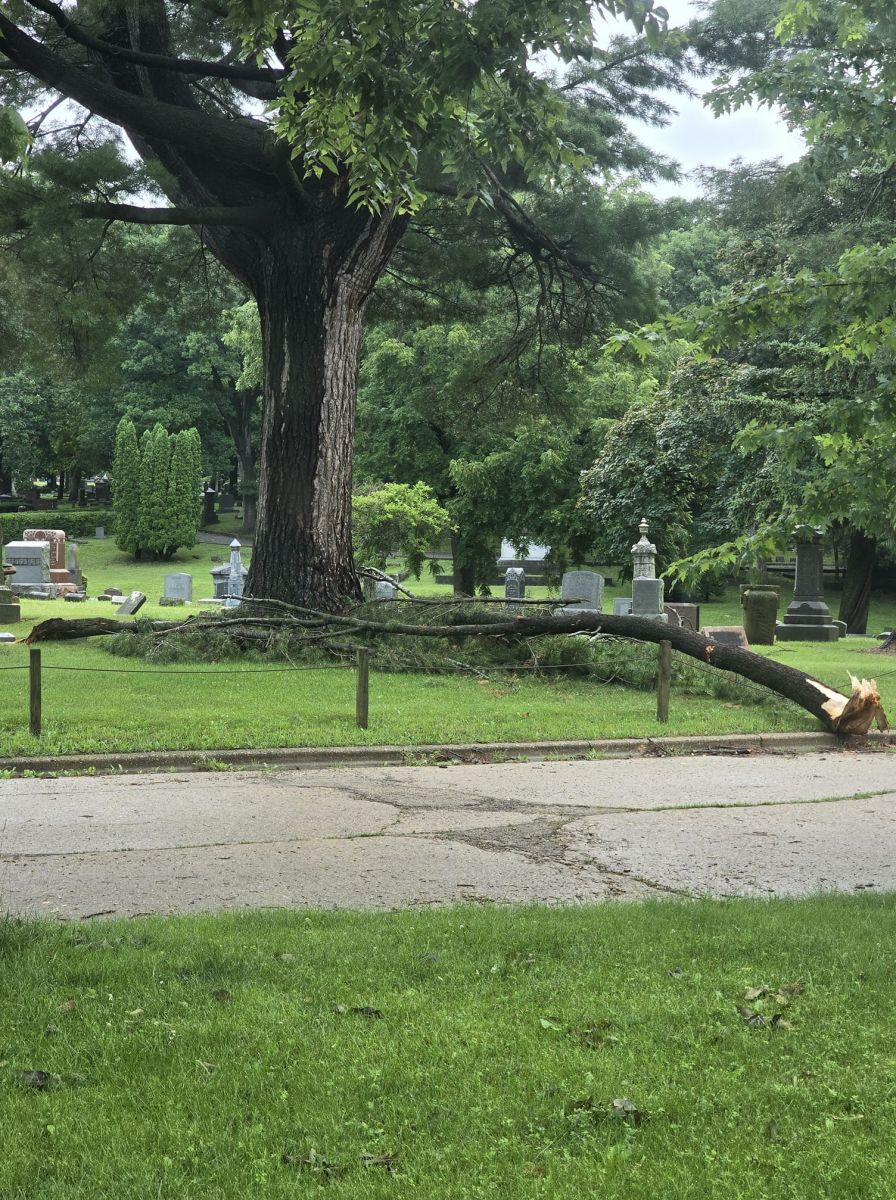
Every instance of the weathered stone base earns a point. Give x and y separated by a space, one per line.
10 614
806 633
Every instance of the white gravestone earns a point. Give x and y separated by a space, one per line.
384 590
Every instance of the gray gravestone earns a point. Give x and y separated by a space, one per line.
73 562
643 555
7 637
808 618
514 587
10 609
226 502
384 590
32 563
582 591
647 599
134 602
99 532
622 606
179 586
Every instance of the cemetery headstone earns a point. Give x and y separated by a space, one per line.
808 618
10 609
647 599
384 590
209 516
643 555
112 592
56 540
75 597
73 562
103 491
236 575
622 606
582 591
178 586
32 563
727 635
133 604
226 502
99 532
7 637
60 579
683 616
514 587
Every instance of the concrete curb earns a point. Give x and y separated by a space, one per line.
308 758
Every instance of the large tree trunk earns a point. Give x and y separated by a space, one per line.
464 573
311 294
855 601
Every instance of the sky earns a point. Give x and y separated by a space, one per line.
696 138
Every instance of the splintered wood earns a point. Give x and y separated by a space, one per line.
856 713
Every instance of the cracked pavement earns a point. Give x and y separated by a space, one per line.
388 837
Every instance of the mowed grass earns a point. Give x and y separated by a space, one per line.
459 1053
94 702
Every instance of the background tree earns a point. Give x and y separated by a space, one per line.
126 480
397 519
306 209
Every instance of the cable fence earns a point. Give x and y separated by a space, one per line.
657 670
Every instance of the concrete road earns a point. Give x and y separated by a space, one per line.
386 837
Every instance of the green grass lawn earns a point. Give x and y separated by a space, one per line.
461 1053
102 703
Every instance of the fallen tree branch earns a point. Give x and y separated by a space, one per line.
837 712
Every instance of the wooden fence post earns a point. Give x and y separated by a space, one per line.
34 696
664 682
362 696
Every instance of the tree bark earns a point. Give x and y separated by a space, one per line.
311 294
239 426
75 478
855 601
464 573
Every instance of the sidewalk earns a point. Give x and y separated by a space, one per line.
384 837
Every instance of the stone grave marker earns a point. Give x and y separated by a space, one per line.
73 562
622 606
235 577
10 609
60 578
384 590
727 635
32 563
582 591
514 587
683 616
808 618
178 586
99 532
647 599
133 604
7 637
